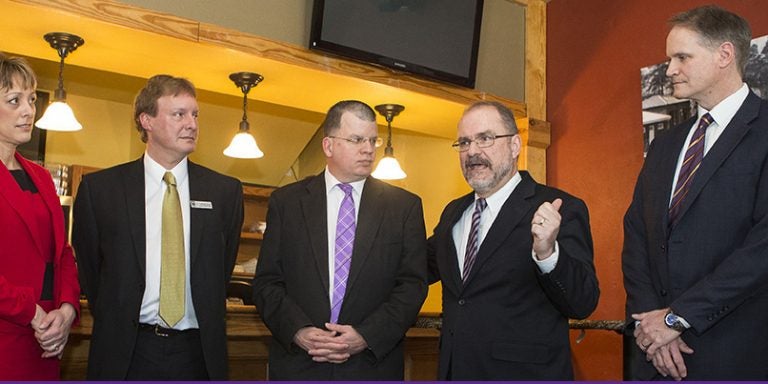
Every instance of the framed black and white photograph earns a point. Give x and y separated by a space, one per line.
663 111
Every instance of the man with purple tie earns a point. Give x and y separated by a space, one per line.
342 268
695 256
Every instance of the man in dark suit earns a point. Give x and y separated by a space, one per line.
157 317
515 261
333 318
695 255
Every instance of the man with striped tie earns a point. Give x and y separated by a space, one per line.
695 256
515 261
342 268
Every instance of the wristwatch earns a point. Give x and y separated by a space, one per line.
673 321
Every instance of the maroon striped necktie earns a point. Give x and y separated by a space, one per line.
691 162
472 243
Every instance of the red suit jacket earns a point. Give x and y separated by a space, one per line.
22 262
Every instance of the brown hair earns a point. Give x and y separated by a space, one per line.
13 69
505 114
157 87
716 25
333 117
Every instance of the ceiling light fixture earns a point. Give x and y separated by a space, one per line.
389 168
59 116
243 145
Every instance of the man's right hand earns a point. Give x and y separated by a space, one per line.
669 361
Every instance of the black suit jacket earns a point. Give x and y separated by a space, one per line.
510 321
385 289
712 266
109 238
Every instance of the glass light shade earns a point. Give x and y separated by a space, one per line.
243 146
388 169
59 117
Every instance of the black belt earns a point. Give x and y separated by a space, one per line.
165 332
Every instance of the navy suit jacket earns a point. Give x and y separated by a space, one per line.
109 238
711 267
385 288
509 321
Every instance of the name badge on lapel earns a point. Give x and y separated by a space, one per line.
200 204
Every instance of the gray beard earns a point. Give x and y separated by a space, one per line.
483 186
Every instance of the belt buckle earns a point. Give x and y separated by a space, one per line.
159 332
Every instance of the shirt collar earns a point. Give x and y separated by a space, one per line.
331 182
724 111
154 171
497 199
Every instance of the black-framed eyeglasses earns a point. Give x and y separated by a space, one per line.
482 141
359 141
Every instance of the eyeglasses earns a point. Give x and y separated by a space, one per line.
482 141
359 141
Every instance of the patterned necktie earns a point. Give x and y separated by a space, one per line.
691 162
345 239
472 242
172 272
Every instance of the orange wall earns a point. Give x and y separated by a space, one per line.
595 49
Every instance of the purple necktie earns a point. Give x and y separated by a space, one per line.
345 239
472 242
693 157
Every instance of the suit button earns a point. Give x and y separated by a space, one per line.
710 317
663 292
461 302
663 248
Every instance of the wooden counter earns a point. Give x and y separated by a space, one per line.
248 343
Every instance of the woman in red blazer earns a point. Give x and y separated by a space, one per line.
39 290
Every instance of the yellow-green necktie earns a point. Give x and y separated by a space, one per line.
172 273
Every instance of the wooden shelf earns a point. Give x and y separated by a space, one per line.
251 235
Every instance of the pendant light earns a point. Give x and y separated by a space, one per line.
243 145
389 168
59 116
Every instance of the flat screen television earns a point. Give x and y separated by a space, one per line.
437 39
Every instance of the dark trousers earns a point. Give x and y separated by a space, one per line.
162 354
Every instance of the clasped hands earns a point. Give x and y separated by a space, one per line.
335 344
52 329
661 344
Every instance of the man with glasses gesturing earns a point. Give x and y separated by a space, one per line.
515 261
343 265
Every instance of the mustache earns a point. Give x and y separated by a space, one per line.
473 160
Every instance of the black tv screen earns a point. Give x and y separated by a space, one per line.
434 38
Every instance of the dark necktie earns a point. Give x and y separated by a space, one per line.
345 239
691 162
172 273
472 243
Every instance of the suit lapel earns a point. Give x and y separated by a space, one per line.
729 139
667 172
314 208
512 212
12 193
450 245
135 206
369 221
52 202
197 191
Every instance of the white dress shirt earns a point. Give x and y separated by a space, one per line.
334 196
154 190
722 114
495 202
